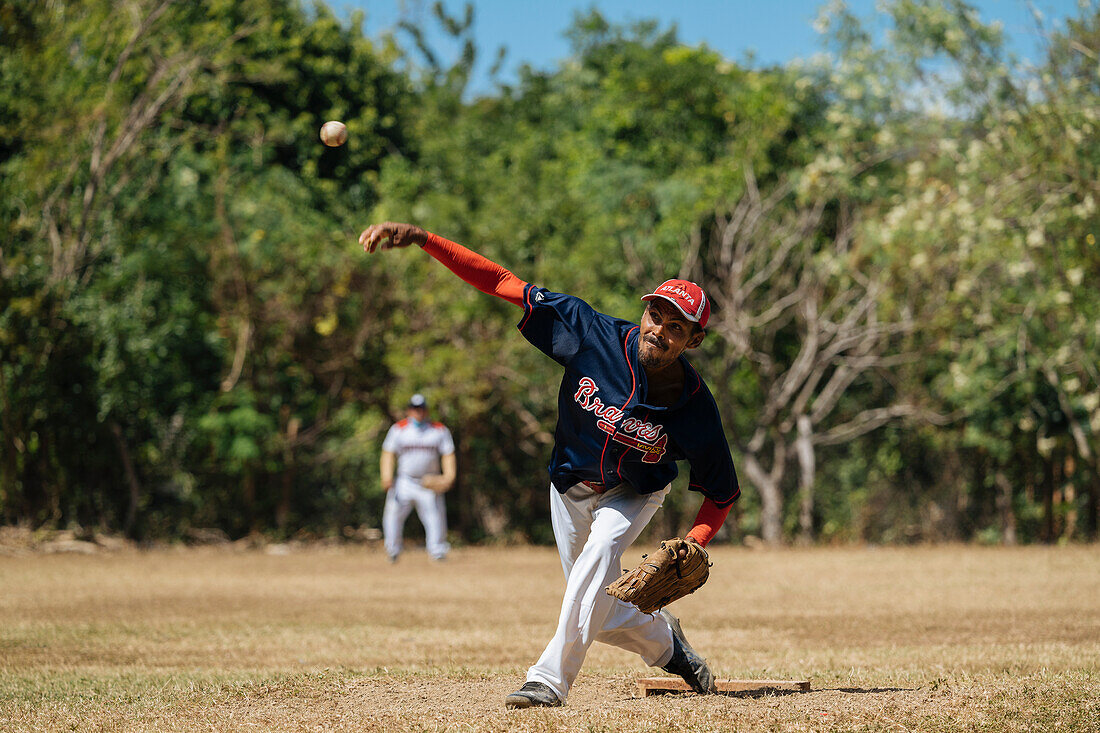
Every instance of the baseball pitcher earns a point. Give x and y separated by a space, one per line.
630 405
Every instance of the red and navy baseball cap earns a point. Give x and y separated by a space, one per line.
688 298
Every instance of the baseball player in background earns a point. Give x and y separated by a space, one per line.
629 406
418 467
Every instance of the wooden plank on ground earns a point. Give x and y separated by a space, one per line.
656 685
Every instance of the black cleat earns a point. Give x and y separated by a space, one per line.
532 695
685 662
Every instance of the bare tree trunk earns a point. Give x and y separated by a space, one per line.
771 498
1049 479
131 479
1093 511
282 511
807 465
1004 508
9 446
1069 496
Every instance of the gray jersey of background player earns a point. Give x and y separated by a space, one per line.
418 467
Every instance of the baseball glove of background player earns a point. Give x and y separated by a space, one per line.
676 568
436 482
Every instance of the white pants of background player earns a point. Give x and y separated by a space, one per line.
592 532
405 494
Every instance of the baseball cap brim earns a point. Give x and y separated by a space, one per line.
667 299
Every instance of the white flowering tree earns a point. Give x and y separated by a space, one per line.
997 230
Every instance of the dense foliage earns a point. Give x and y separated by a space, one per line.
899 237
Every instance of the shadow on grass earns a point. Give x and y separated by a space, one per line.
762 692
777 692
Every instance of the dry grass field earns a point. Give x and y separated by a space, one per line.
928 639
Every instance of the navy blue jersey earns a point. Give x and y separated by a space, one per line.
606 432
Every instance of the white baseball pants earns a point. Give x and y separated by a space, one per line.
592 532
403 496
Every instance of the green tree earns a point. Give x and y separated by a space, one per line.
176 232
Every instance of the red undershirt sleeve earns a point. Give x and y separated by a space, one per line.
484 274
708 521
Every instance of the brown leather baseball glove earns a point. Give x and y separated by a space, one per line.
678 567
436 482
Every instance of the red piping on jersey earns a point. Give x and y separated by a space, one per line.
527 307
633 389
725 504
698 381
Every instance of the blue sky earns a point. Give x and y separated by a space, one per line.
773 32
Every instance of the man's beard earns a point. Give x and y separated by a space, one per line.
651 358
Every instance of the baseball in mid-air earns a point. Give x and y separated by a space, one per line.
334 134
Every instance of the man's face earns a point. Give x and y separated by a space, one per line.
420 414
665 333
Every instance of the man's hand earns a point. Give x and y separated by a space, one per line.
390 235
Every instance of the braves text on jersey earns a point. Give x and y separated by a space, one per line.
606 432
